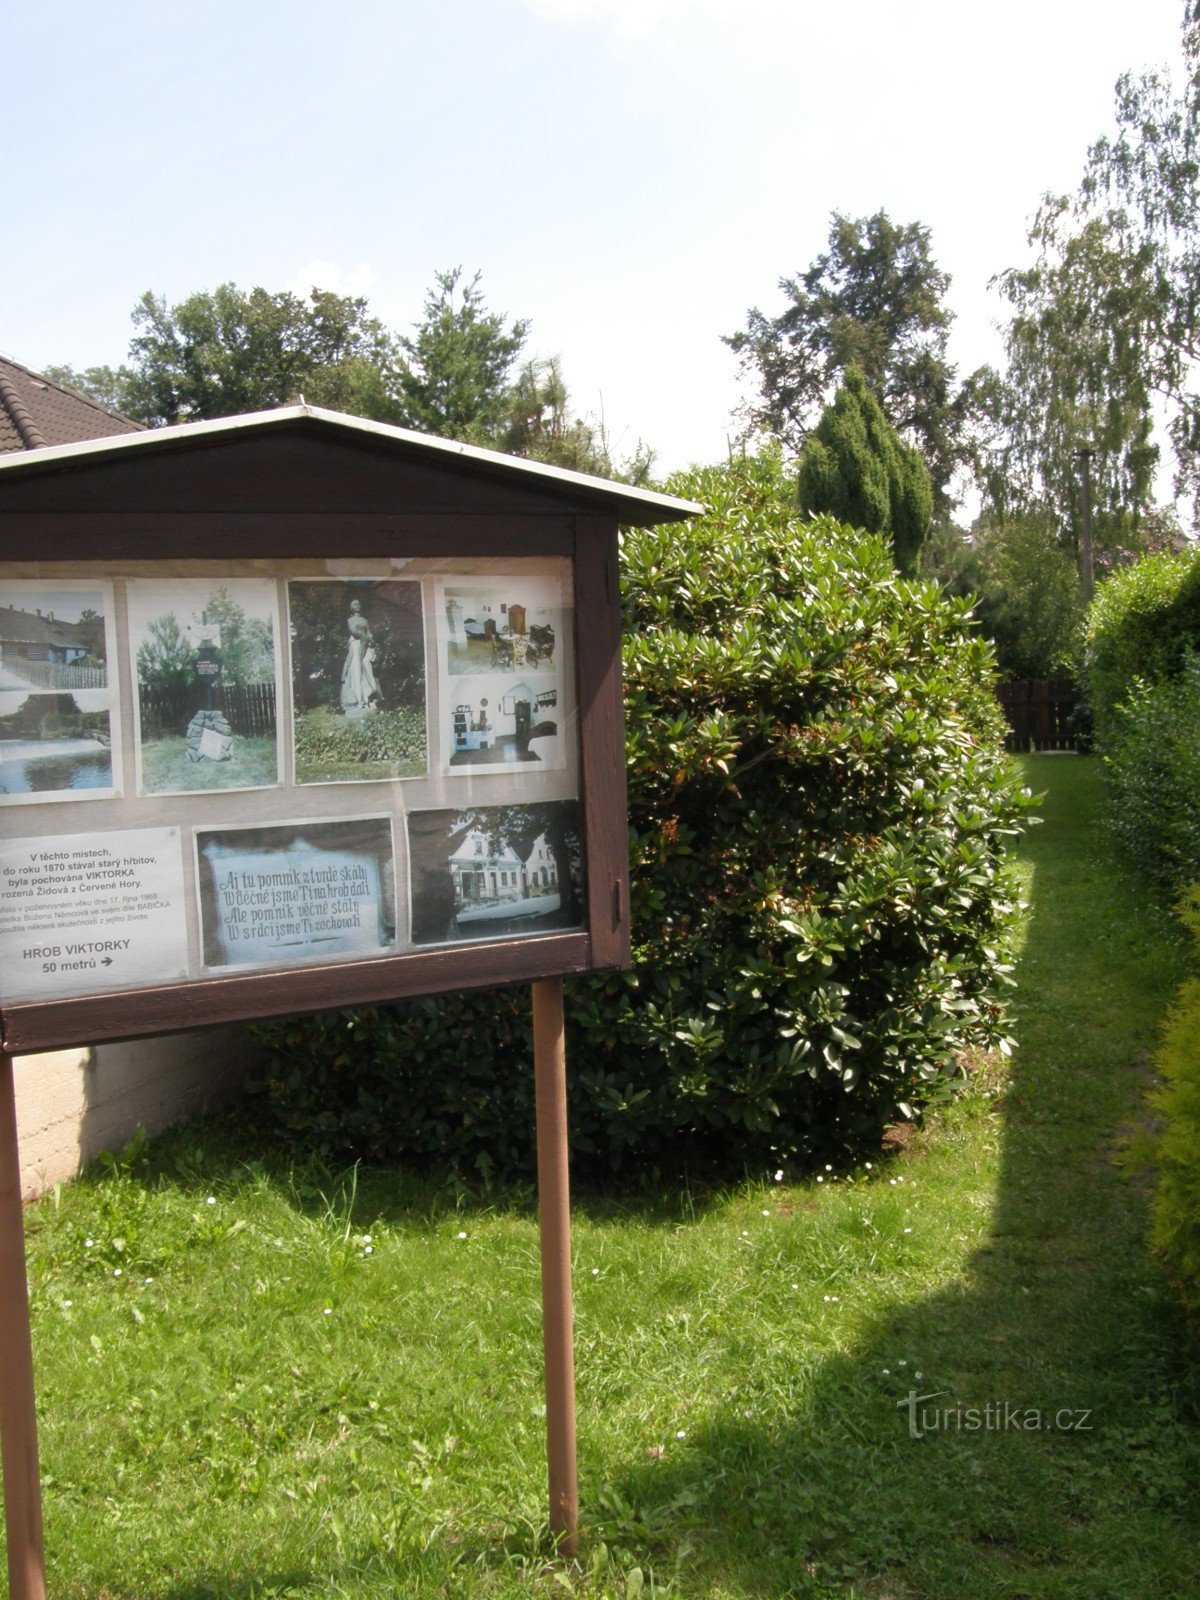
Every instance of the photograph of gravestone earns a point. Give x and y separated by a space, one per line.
505 625
495 872
56 746
358 680
495 721
204 655
51 639
303 891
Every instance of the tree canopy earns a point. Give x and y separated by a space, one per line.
855 467
224 351
875 300
454 376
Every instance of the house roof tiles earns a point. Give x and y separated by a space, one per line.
36 412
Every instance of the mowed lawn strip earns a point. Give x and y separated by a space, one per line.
259 1379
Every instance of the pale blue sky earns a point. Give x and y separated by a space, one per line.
629 174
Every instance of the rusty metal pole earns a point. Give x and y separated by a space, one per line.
554 1223
18 1419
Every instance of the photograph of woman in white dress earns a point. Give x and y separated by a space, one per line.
360 687
358 679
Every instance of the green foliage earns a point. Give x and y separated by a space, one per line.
538 426
1152 760
455 380
165 658
1030 599
1142 676
1079 369
1141 625
225 351
330 742
818 804
1176 1227
855 468
876 301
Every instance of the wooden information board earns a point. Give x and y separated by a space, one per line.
299 711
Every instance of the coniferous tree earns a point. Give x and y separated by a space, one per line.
855 466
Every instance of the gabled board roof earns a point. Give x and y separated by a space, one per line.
289 430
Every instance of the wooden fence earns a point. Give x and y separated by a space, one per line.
1040 714
62 676
249 708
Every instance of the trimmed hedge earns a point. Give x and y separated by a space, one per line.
1152 765
1176 1225
1142 624
819 802
1142 676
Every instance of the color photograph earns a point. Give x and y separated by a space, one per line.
56 747
52 637
358 680
495 721
302 891
495 872
501 625
204 657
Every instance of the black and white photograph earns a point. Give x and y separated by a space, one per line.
57 747
493 872
298 891
205 659
496 721
358 680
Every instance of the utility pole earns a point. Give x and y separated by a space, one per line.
1085 547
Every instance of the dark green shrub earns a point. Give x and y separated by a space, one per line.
818 806
856 468
1143 623
1143 687
1176 1227
1153 771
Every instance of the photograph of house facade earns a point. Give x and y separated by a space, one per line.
53 640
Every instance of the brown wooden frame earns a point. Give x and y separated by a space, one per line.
273 493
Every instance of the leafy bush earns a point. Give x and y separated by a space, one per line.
1142 676
1153 769
395 736
1176 1225
1144 621
818 805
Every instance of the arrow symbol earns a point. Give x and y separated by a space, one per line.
107 962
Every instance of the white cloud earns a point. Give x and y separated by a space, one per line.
322 274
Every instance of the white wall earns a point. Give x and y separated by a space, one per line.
71 1104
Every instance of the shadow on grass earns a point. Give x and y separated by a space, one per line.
1059 1312
834 1482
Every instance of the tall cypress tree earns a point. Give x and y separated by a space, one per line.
855 466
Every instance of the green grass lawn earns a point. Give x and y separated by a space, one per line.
166 769
257 1380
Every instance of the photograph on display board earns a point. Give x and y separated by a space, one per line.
59 738
302 891
358 680
494 872
510 625
57 746
497 721
204 655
